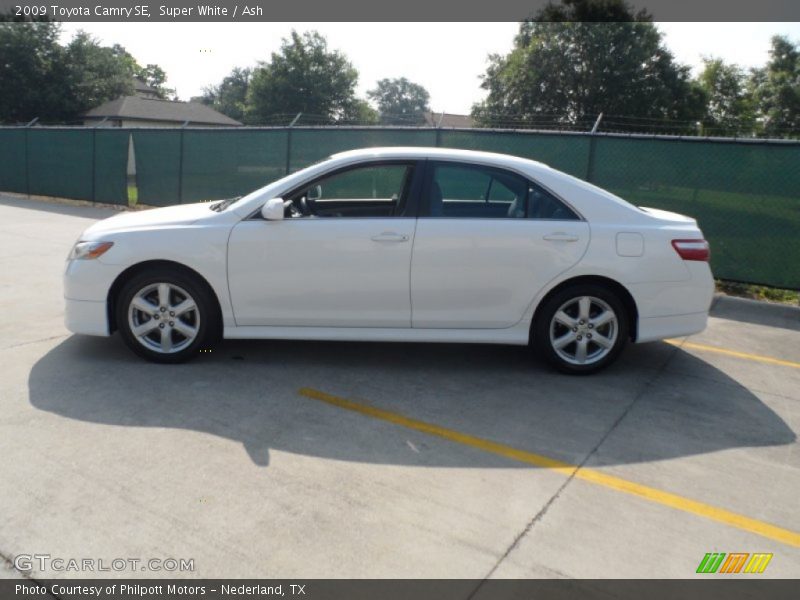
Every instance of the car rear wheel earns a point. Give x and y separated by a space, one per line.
581 329
165 316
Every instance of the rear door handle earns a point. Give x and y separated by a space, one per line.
561 237
390 236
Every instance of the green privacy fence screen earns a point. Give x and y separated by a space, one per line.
12 160
84 164
745 194
746 198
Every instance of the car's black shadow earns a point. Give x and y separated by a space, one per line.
743 310
248 391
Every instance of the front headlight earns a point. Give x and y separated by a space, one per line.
89 250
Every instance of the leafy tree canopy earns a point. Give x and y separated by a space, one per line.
57 83
566 69
31 72
400 101
777 89
303 77
229 96
361 113
729 104
156 78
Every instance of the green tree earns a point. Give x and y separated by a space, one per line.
94 74
32 78
304 76
729 102
230 95
41 78
359 112
400 101
583 57
777 89
156 78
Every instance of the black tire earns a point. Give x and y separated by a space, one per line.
597 356
204 319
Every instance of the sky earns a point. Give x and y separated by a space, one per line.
446 58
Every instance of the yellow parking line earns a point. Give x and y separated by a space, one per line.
675 501
736 353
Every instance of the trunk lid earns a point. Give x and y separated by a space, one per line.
668 216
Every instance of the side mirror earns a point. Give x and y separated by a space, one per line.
273 209
315 193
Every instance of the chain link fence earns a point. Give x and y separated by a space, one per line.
745 194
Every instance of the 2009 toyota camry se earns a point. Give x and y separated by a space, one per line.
401 245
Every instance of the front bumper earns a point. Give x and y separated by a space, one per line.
86 286
86 317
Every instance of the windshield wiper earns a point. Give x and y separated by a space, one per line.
223 204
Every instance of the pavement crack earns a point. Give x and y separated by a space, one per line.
28 343
543 511
4 558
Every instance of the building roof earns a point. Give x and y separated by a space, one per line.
141 88
434 119
149 109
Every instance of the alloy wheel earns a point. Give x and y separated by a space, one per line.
164 318
584 330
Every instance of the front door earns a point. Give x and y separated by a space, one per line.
340 258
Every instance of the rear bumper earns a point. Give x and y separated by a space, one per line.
659 328
86 317
672 309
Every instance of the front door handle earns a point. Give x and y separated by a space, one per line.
390 236
560 236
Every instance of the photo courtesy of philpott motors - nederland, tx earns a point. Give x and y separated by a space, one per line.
143 590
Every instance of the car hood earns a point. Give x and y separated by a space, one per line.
155 218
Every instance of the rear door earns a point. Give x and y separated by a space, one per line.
487 241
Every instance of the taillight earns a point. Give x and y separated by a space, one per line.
692 249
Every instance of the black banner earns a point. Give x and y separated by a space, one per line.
370 10
407 589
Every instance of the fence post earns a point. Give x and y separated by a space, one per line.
94 164
180 166
592 143
590 158
438 127
289 142
27 167
27 158
288 149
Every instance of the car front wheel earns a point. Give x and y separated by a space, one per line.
165 316
581 329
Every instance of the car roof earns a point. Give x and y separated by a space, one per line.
577 193
390 152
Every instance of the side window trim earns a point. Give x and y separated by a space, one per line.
554 196
490 170
427 179
410 193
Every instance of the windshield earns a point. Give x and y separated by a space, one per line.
268 189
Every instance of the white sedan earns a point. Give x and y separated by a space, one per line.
397 245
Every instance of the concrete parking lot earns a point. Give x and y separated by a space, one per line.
303 459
